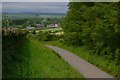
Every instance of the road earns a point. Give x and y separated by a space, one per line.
85 68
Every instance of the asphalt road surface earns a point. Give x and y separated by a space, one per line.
85 68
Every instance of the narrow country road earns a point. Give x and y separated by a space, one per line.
85 68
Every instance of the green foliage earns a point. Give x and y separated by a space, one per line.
73 38
33 32
102 62
12 42
28 58
97 26
117 58
48 36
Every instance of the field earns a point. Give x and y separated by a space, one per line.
57 31
52 29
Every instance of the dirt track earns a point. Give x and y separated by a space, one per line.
85 68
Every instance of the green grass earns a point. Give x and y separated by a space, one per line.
57 31
98 61
44 63
53 29
34 60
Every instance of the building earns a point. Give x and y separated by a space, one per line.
30 28
40 25
52 25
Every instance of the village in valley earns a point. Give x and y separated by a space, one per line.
39 26
33 22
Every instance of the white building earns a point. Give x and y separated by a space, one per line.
30 27
52 25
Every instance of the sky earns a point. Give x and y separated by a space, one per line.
0 8
34 7
34 0
38 6
60 0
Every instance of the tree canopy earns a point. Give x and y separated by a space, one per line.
94 25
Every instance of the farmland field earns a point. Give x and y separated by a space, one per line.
57 31
53 29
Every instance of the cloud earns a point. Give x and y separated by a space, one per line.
35 0
52 7
60 0
0 7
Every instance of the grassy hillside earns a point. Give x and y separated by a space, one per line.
45 63
34 60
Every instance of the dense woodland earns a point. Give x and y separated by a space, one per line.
94 25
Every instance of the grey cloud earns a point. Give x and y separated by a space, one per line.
35 1
35 6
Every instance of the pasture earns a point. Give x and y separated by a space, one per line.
56 31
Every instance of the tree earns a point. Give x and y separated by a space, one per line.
94 25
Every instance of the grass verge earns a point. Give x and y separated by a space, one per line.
45 63
33 60
98 61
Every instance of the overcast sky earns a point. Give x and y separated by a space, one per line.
35 7
60 0
34 0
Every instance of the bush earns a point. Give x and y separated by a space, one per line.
48 36
73 38
12 41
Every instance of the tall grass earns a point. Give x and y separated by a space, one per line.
45 63
13 60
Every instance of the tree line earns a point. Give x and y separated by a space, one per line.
96 26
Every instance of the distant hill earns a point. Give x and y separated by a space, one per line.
24 15
46 13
